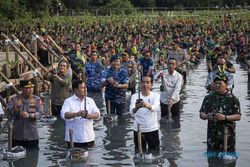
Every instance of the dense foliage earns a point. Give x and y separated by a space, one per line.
12 9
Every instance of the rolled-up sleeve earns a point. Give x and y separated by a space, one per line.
177 89
65 108
95 109
156 103
104 76
132 103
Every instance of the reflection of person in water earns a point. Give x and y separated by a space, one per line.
115 139
170 141
31 159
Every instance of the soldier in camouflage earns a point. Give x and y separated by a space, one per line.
221 109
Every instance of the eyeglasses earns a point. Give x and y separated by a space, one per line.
220 64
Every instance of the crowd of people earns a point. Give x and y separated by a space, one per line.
112 58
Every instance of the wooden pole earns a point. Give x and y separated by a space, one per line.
17 64
30 54
71 138
35 49
25 59
55 44
46 45
139 140
10 136
139 84
162 85
109 107
225 139
6 67
8 82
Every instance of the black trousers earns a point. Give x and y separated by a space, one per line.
118 109
148 138
56 109
175 109
26 144
82 145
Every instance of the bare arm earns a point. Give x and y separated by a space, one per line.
93 116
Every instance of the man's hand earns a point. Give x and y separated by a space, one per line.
147 105
170 102
139 103
24 114
82 113
111 80
219 117
210 116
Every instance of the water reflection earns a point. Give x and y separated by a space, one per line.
30 160
181 144
170 141
114 141
217 162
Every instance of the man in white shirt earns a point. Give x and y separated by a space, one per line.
170 96
78 117
145 112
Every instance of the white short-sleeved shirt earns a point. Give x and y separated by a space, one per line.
83 130
146 118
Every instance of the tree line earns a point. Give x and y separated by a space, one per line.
12 9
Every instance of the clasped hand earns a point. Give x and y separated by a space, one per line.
216 117
82 113
24 114
140 103
113 82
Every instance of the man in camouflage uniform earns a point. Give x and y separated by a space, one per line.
93 71
130 66
221 109
116 80
77 61
25 108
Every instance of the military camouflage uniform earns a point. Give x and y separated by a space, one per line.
116 96
226 104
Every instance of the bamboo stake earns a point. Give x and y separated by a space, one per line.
25 59
162 85
30 54
225 139
10 136
139 140
17 69
139 84
71 138
109 107
46 45
55 44
8 82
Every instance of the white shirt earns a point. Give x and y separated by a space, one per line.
83 130
172 86
1 109
146 118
